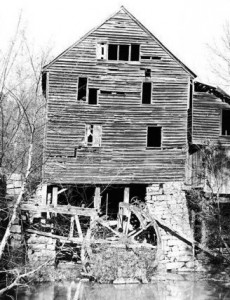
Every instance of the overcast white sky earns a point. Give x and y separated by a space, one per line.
184 26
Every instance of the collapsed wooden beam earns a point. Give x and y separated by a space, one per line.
60 209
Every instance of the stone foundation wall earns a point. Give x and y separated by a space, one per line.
41 249
167 202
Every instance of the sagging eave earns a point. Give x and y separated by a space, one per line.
184 67
216 91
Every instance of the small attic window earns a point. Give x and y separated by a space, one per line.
225 130
124 52
82 88
112 52
135 52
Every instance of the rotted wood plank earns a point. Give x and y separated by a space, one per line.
61 209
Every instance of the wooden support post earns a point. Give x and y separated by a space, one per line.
126 194
44 193
78 225
71 227
55 196
48 203
97 198
124 211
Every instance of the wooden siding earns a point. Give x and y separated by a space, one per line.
122 157
207 110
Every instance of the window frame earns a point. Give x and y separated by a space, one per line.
94 137
221 123
86 95
142 85
97 95
106 50
161 137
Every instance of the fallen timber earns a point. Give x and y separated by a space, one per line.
60 209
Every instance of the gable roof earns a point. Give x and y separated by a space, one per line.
139 24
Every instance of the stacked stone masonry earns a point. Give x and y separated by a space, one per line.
41 249
167 202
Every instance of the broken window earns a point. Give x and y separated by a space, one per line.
154 136
82 88
135 52
93 135
147 72
146 92
112 52
225 122
102 51
124 52
92 96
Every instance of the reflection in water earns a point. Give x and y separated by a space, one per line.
161 290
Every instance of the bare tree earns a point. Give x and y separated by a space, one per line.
220 58
22 121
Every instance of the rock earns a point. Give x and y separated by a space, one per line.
16 228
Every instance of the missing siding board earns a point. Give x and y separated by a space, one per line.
146 92
82 88
135 52
106 92
112 52
150 57
225 130
124 52
93 135
154 136
145 57
92 96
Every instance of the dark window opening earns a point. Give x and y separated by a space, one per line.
112 52
154 136
82 85
124 52
145 57
146 92
120 93
225 122
92 96
147 72
135 52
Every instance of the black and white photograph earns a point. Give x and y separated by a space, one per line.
114 150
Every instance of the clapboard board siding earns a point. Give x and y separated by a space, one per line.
206 122
123 156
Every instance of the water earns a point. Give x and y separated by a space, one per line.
160 290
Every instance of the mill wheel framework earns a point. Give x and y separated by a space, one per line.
134 228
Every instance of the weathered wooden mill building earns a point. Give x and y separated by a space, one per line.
122 115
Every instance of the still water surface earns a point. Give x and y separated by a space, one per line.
161 290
